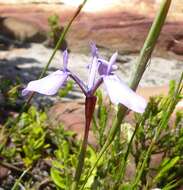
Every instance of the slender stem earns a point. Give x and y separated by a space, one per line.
89 109
81 159
15 186
142 62
122 168
150 43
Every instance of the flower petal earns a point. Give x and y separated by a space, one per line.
112 61
92 74
65 59
94 49
103 67
48 85
119 92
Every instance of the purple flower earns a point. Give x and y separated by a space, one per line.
99 71
117 90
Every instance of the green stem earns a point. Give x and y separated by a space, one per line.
15 186
142 62
90 103
150 43
81 159
122 168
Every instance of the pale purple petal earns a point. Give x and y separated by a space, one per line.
92 74
103 67
65 59
119 92
112 61
94 49
48 85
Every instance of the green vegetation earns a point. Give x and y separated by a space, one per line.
47 155
55 30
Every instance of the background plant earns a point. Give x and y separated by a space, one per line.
55 30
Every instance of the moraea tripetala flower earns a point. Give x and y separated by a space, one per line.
117 90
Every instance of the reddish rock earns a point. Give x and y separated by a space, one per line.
3 173
72 115
122 28
21 30
146 92
177 46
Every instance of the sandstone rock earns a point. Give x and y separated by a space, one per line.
72 115
20 30
152 91
118 28
177 46
3 173
30 1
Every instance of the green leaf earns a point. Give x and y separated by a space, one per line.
64 91
171 185
57 165
165 166
65 150
57 179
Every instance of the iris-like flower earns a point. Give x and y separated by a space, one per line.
117 90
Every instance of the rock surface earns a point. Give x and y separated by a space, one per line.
21 30
118 28
28 62
4 172
72 115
